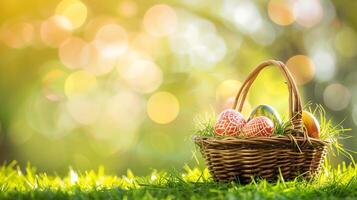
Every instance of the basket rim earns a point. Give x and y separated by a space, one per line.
260 141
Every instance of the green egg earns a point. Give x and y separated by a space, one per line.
267 111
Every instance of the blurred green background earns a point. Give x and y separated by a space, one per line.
118 83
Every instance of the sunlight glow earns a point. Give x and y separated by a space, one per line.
163 107
325 62
244 14
302 68
53 84
55 30
227 89
92 60
17 35
143 76
83 109
308 12
70 51
125 109
225 96
111 40
160 20
47 117
94 24
281 12
78 83
346 42
198 39
74 10
73 177
269 34
128 8
145 43
336 96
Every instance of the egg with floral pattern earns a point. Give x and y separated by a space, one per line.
258 127
229 123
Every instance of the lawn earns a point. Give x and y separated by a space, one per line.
188 183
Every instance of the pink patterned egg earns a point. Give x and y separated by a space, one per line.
258 127
229 123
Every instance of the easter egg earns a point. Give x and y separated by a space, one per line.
311 124
229 123
266 111
258 127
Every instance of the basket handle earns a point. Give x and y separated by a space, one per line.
295 107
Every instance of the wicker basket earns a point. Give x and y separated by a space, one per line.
240 159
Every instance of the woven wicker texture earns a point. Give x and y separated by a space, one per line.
292 155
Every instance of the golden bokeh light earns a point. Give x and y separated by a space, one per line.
125 110
79 83
281 12
247 109
123 113
302 68
160 20
93 61
83 110
245 15
74 10
336 96
94 24
17 35
120 117
145 43
346 42
198 39
227 89
128 8
36 41
226 93
70 51
53 84
116 137
325 63
143 76
52 75
55 30
308 12
111 40
163 107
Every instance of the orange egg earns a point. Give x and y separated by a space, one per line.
311 124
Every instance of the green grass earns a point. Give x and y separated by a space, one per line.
190 183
